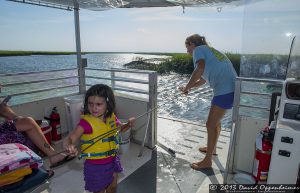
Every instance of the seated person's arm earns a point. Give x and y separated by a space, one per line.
7 112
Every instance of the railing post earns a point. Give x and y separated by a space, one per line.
112 81
152 140
236 102
235 116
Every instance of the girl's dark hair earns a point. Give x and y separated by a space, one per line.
196 39
101 90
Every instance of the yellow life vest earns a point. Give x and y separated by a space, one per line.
102 148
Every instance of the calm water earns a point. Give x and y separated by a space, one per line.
193 107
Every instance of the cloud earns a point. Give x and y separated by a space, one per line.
141 30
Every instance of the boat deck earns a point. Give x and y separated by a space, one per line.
157 170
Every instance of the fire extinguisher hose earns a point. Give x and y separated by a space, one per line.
264 152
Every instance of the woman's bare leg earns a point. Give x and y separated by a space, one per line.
213 123
34 132
204 149
112 188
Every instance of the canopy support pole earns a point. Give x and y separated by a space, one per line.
80 66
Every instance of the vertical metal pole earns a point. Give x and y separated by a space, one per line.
146 134
81 72
153 104
151 137
236 102
235 125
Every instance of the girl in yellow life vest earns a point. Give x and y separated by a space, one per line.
102 163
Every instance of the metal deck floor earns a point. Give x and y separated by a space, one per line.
156 171
185 138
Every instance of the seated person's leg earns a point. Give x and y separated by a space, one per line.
34 132
9 134
31 128
8 131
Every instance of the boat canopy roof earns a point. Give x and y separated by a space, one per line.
101 5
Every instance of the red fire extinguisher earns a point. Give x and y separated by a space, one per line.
263 150
55 124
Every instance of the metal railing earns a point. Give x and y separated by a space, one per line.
31 86
138 78
113 77
25 84
240 90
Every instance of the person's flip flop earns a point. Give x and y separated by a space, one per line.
50 173
196 167
203 150
65 160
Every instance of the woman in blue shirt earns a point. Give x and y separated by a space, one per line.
212 66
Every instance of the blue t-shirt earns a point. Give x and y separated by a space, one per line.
218 70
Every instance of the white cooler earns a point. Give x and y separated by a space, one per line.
74 108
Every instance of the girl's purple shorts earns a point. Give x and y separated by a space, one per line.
98 177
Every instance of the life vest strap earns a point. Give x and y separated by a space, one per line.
107 153
108 139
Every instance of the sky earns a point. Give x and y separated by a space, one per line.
28 27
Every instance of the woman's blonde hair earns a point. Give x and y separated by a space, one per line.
196 39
